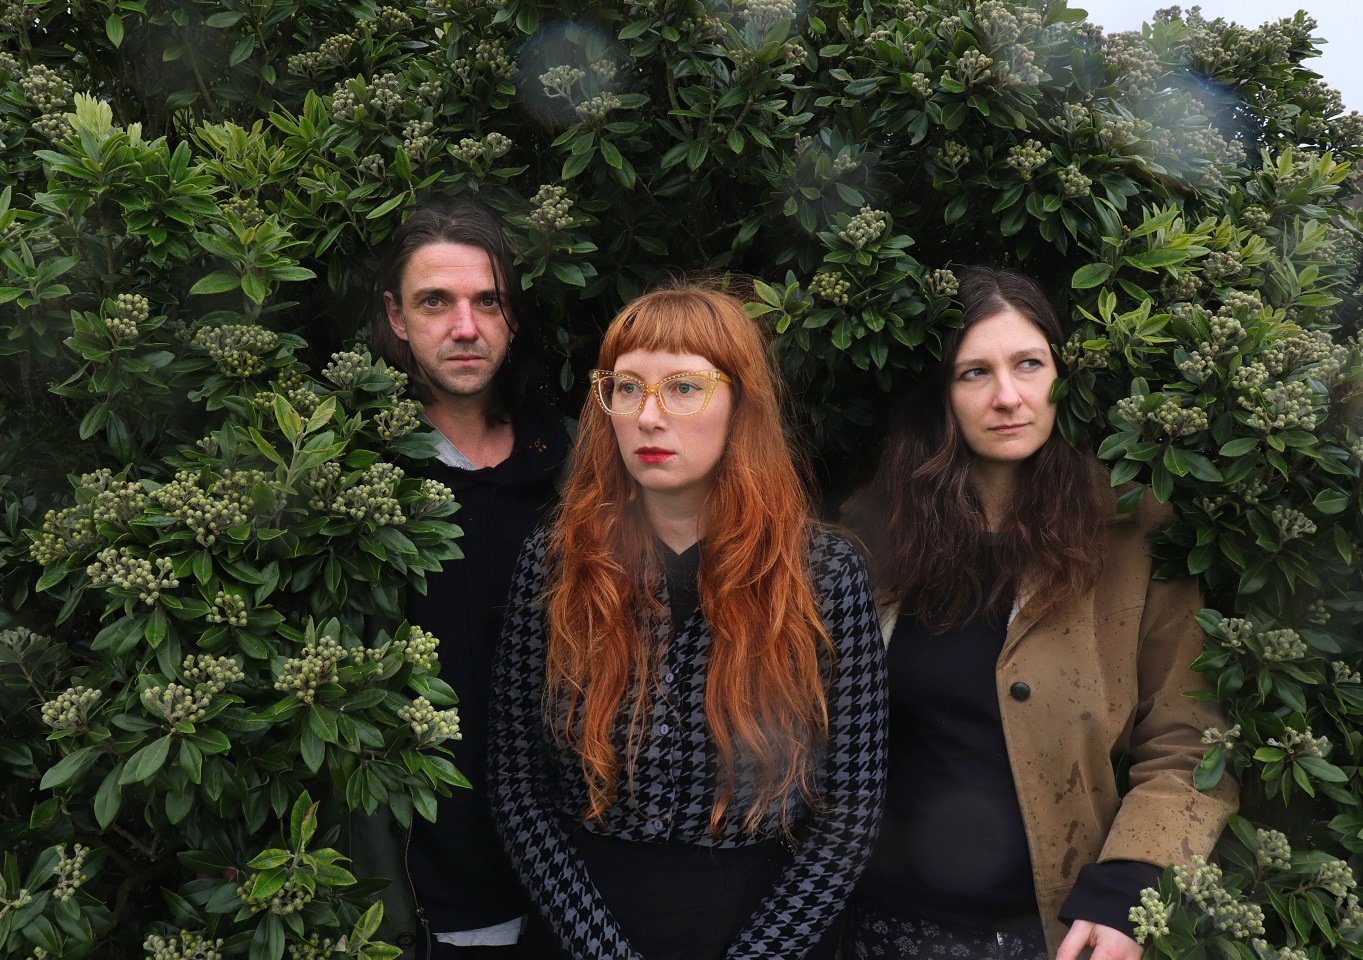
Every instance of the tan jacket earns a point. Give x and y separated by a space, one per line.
1087 682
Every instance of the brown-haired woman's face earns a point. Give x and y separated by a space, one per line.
1001 388
670 455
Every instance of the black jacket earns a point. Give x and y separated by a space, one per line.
461 878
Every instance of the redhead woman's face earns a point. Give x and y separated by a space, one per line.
1001 388
672 456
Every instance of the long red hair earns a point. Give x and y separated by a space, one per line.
765 707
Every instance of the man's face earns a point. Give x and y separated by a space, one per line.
451 316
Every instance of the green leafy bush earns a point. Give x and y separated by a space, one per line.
211 510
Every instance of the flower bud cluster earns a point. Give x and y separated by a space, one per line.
344 103
592 112
1072 117
373 166
333 52
1248 491
294 388
246 209
1122 133
228 608
22 898
552 206
765 14
417 140
428 724
1301 744
1073 182
493 54
953 155
188 946
1027 158
942 283
1130 58
1214 737
346 368
866 227
313 948
434 495
46 89
1202 883
558 82
177 703
1307 349
948 27
973 67
1181 287
122 570
398 420
1336 877
1200 365
70 709
237 348
830 287
290 898
843 163
385 93
1223 265
1168 417
1345 673
704 26
315 665
13 19
1281 646
1283 406
53 126
395 19
1271 849
1021 69
1292 524
68 871
74 529
129 310
1236 631
208 513
1151 917
920 84
370 497
486 150
1076 355
419 648
997 22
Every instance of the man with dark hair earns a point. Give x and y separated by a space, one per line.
454 318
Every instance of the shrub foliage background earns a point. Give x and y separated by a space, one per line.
208 497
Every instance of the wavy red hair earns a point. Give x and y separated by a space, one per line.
765 707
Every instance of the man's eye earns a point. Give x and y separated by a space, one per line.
431 302
489 303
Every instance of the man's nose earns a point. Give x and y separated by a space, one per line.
462 326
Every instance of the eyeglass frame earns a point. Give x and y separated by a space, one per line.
712 377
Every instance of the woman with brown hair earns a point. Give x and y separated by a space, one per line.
688 737
1029 652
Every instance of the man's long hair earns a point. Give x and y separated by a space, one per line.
765 706
922 518
465 221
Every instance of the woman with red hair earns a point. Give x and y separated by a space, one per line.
688 706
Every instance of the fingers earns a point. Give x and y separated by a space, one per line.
1076 940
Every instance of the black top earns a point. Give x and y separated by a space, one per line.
458 869
953 846
538 781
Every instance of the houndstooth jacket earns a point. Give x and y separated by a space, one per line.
537 784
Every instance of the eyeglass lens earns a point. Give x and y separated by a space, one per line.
679 395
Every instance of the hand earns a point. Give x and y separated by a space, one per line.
1107 943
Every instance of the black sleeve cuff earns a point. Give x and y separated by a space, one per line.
1106 892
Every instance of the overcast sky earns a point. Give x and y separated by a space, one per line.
1337 22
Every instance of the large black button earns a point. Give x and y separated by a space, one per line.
407 940
1020 691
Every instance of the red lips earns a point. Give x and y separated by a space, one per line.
652 454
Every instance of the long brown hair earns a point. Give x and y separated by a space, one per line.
922 518
765 707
